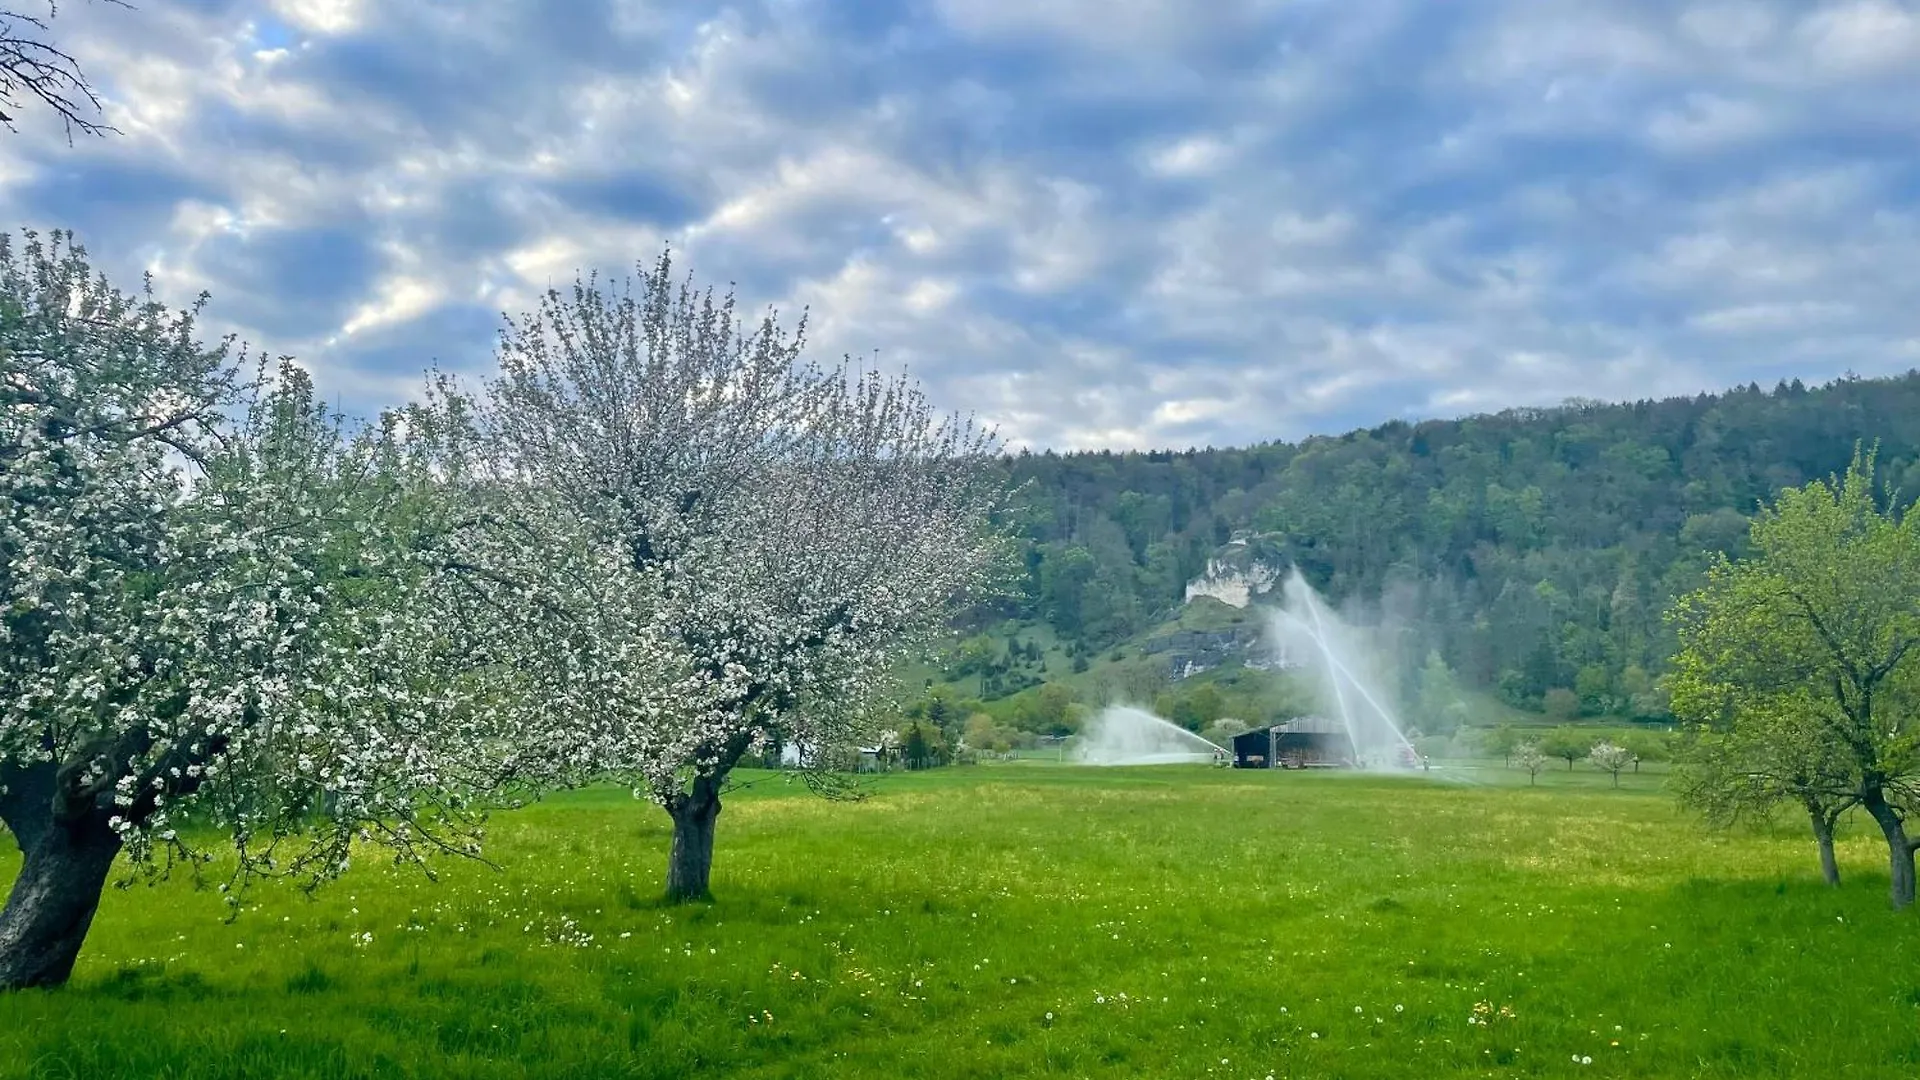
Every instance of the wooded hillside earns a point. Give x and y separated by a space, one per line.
1533 551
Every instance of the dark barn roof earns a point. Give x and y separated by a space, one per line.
1302 739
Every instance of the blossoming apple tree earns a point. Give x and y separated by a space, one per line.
217 601
796 529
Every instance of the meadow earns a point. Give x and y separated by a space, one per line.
1028 919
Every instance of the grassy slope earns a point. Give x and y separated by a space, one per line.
1180 921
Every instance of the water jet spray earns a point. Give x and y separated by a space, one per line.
1376 737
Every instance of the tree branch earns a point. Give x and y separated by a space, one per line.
36 70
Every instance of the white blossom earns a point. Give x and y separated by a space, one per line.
737 547
219 598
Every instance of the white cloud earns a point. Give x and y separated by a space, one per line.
1127 224
1195 155
398 299
323 16
1862 36
1769 318
1738 26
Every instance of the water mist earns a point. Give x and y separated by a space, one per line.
1342 660
1123 735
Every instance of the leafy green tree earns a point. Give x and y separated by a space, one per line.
1648 746
1194 708
978 655
1809 647
1565 743
1732 771
1637 687
1594 687
1046 709
1439 695
918 746
982 732
945 714
1503 740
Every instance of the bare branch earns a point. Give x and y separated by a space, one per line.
34 69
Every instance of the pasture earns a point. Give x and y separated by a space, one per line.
1028 919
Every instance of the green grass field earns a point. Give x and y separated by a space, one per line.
1033 920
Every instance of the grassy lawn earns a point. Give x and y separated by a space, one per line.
1033 920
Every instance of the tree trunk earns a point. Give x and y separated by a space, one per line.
1899 848
1823 835
690 863
53 900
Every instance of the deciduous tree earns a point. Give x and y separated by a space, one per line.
798 529
1610 758
1530 757
217 601
1757 756
1565 743
1807 648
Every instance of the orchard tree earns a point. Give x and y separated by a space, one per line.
215 601
1610 758
1565 743
1530 757
1502 740
1803 653
1757 756
1650 746
795 530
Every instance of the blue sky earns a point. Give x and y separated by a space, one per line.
1092 222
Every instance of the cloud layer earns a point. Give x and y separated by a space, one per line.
1094 222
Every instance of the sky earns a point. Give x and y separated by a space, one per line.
1092 223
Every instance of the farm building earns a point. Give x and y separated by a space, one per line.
1302 742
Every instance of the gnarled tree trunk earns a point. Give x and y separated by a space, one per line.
1899 848
690 863
67 859
1823 835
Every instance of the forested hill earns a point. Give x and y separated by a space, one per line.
1534 549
